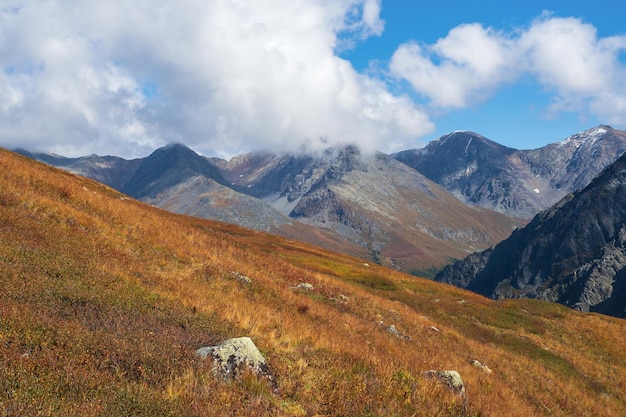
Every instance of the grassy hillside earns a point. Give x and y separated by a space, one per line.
103 302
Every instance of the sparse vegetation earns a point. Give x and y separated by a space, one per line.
104 301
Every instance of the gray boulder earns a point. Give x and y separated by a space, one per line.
233 356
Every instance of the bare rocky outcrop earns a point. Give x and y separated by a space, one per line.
234 356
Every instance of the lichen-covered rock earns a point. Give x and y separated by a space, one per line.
233 356
451 379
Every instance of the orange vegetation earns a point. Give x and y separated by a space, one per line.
104 301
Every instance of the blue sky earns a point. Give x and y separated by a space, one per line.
516 114
227 77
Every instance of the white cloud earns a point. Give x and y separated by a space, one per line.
458 70
583 71
564 55
221 76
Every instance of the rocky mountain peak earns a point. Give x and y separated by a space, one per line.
456 157
166 167
587 137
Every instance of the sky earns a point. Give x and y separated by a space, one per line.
226 77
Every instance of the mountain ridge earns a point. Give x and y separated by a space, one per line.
348 200
519 183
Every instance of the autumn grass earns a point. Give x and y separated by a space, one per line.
104 301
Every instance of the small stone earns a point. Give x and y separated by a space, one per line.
434 329
480 365
240 277
304 286
392 329
452 379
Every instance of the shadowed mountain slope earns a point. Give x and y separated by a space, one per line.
167 167
574 253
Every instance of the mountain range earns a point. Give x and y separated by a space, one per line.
371 206
394 209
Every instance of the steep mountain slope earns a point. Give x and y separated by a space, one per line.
573 163
519 183
104 301
573 253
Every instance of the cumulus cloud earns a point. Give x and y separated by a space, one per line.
473 61
565 56
223 76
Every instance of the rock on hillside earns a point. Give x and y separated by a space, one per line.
519 183
233 356
574 253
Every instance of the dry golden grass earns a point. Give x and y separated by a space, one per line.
104 300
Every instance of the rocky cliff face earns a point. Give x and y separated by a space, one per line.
574 253
519 183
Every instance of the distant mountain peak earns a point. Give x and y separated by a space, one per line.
587 137
167 166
